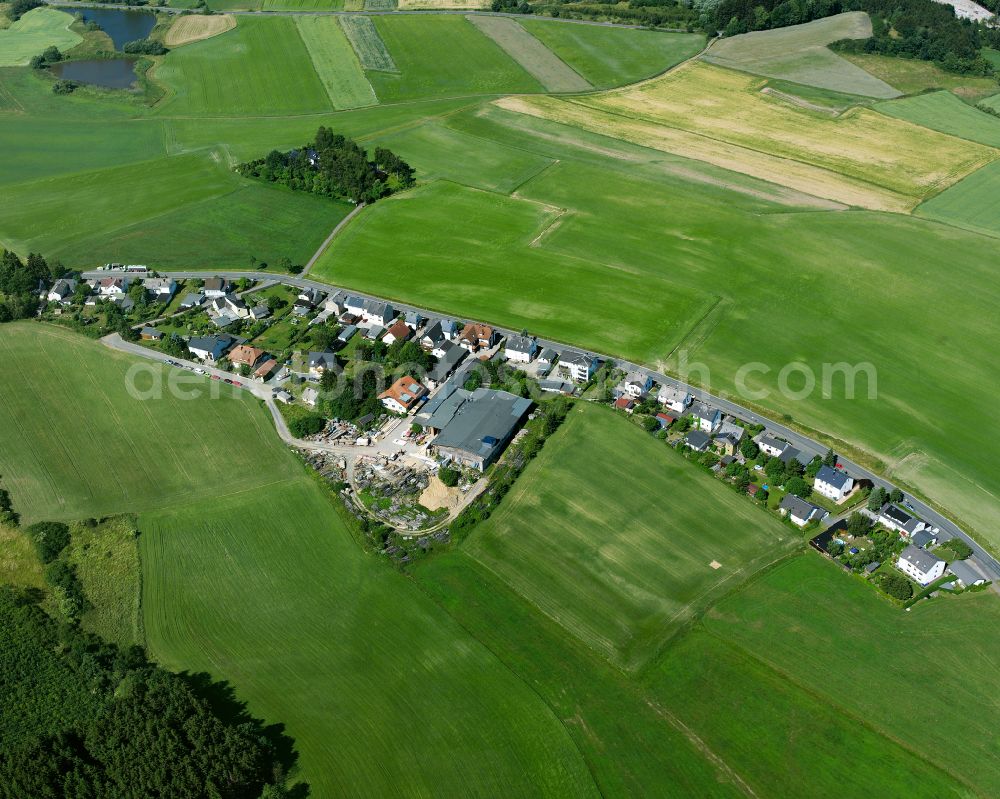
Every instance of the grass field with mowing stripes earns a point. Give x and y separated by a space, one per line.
619 540
336 62
609 57
261 67
973 204
943 111
535 57
96 451
368 45
33 32
196 27
815 626
799 53
267 590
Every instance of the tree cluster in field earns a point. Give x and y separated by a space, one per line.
308 425
145 47
65 87
48 57
19 284
879 497
919 29
93 720
18 8
333 166
449 476
652 13
8 516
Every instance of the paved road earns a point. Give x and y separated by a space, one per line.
806 445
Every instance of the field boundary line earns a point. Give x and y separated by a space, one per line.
329 239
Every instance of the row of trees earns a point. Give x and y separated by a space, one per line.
334 166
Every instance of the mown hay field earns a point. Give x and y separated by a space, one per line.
368 45
335 62
196 27
267 590
799 53
943 111
530 53
813 624
261 67
721 116
33 32
973 204
620 540
75 444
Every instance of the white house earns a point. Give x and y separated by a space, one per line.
833 484
62 291
577 366
677 399
160 287
432 337
215 287
413 320
310 396
210 348
320 362
922 566
520 349
112 286
635 385
403 395
547 358
800 511
775 447
399 331
370 311
895 518
707 419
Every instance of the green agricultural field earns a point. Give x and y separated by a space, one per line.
368 45
609 57
620 541
992 102
95 450
444 56
261 67
267 590
943 111
814 625
335 62
799 53
19 565
912 76
973 204
781 737
33 32
537 59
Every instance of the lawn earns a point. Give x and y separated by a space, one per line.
33 32
722 117
444 56
335 62
96 451
609 57
267 590
537 59
832 635
621 541
973 204
943 111
262 67
799 53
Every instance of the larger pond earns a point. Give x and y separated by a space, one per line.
114 73
121 26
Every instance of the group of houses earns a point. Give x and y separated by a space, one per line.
114 289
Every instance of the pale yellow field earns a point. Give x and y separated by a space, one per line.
442 4
195 27
719 116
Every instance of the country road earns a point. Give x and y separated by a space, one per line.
806 445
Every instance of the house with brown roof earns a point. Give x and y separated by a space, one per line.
399 331
245 355
477 337
403 395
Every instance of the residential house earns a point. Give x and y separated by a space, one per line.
546 359
403 395
833 484
698 441
370 311
227 305
450 329
624 403
192 300
577 366
725 444
706 419
210 348
398 331
451 356
557 387
413 320
432 336
347 333
310 397
282 396
311 296
772 446
895 518
476 337
965 575
215 287
664 420
635 385
302 307
150 334
260 311
336 303
923 539
266 368
375 332
800 511
920 565
62 291
245 355
112 286
520 349
123 301
473 428
160 288
355 306
320 362
676 399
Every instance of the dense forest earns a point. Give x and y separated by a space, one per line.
333 166
921 29
19 282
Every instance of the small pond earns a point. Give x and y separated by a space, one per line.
122 26
114 73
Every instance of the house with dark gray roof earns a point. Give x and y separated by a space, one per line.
320 362
965 574
708 419
833 484
210 348
451 356
895 518
698 440
920 565
520 349
923 539
800 511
